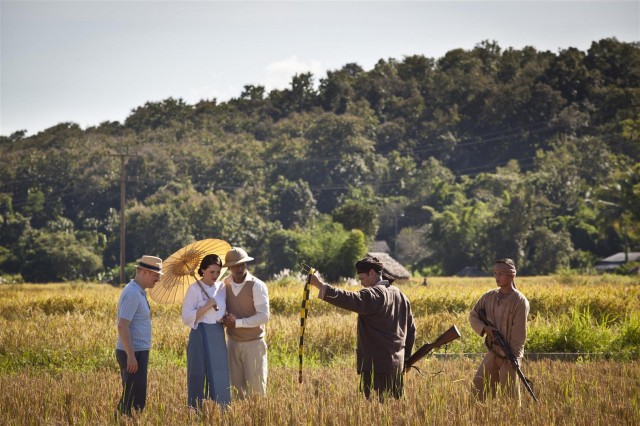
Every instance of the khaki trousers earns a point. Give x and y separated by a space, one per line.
494 371
248 367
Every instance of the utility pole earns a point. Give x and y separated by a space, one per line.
123 201
123 182
395 241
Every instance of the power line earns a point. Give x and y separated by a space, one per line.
501 135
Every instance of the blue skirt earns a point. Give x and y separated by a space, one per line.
207 366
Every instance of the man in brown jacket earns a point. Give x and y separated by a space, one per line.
386 332
506 309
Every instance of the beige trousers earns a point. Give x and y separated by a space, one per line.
247 367
494 371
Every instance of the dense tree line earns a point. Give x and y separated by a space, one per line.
455 161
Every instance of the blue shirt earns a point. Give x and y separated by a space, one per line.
133 306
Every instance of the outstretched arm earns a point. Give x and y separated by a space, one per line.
366 301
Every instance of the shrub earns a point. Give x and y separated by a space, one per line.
57 256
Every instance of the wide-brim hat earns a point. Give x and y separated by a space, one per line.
150 263
236 256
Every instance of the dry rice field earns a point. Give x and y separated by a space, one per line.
57 364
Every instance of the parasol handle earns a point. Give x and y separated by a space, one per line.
215 305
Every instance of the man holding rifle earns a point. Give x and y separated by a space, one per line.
386 332
501 315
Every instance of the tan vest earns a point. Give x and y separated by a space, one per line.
242 306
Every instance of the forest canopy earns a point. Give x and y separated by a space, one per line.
454 161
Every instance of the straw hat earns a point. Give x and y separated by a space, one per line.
150 263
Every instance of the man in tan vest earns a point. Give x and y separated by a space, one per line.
247 314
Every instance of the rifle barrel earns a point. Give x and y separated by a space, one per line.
448 336
525 382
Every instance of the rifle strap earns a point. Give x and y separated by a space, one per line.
421 373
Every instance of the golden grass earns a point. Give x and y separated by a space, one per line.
57 364
569 393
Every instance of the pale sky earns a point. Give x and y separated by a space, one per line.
92 61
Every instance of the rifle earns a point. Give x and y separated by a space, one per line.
507 350
448 336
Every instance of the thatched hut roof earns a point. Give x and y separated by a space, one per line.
392 266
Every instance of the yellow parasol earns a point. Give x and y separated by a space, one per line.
180 269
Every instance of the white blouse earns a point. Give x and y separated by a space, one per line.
195 299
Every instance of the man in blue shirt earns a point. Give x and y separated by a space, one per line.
134 334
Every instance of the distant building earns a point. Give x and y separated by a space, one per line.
379 246
392 266
616 260
472 271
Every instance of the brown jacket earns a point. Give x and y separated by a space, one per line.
386 332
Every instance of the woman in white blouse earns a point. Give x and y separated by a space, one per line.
207 364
